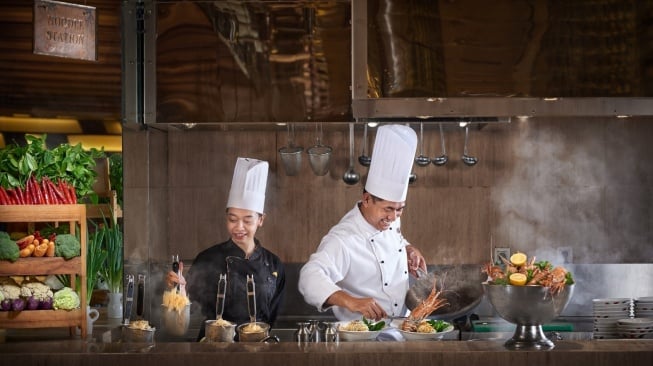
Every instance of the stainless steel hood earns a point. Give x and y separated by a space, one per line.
389 60
475 58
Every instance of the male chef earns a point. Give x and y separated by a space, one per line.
361 266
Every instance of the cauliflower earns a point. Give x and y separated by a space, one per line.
10 291
39 290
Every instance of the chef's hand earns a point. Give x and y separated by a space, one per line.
172 279
415 260
366 306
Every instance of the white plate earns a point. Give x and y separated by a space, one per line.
415 336
349 336
636 321
612 301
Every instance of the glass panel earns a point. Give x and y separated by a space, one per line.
422 48
248 61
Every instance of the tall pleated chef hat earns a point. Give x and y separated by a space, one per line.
248 185
392 162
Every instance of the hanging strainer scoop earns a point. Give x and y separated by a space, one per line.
291 155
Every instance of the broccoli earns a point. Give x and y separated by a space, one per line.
67 246
8 249
4 234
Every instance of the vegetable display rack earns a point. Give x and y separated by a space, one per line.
33 266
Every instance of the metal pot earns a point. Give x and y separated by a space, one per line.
462 289
258 336
134 335
219 333
176 322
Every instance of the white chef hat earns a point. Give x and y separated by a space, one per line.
248 185
392 162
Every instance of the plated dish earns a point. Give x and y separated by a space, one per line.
421 336
417 336
353 331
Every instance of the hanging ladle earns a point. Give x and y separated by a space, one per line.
442 159
351 177
364 159
467 159
422 160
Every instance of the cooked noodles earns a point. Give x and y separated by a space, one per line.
252 328
140 324
355 326
175 301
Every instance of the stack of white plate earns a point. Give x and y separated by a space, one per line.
644 307
635 327
606 314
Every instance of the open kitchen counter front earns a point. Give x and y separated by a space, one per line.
488 353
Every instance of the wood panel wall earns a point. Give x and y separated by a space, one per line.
539 186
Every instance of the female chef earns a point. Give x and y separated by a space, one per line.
239 256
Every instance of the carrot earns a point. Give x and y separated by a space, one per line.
50 251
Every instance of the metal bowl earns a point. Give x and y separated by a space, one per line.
258 336
528 307
134 335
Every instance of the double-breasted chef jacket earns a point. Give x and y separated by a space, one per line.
357 258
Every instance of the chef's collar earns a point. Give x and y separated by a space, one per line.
368 229
255 253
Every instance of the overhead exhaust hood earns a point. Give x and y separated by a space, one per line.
477 58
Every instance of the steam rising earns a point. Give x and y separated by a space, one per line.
559 198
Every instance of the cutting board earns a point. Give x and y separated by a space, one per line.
482 326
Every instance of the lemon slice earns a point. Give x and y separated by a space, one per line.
517 279
518 259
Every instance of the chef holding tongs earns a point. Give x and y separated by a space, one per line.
239 257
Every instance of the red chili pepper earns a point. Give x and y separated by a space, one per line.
63 187
59 196
35 190
39 192
53 197
46 195
19 194
12 197
73 195
3 198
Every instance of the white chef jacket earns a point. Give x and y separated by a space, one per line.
359 259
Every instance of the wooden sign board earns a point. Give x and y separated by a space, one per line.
65 30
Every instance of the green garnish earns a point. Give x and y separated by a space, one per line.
374 326
438 325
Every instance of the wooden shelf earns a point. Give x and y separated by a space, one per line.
40 266
73 214
41 318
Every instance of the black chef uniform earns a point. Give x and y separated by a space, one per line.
227 257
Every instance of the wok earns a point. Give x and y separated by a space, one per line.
461 284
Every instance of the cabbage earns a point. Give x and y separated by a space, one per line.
65 299
17 304
32 303
5 305
46 304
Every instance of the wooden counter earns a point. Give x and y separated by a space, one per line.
486 353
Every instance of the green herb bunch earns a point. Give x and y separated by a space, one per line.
71 164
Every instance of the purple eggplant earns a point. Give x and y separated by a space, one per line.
46 304
18 304
32 303
5 305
